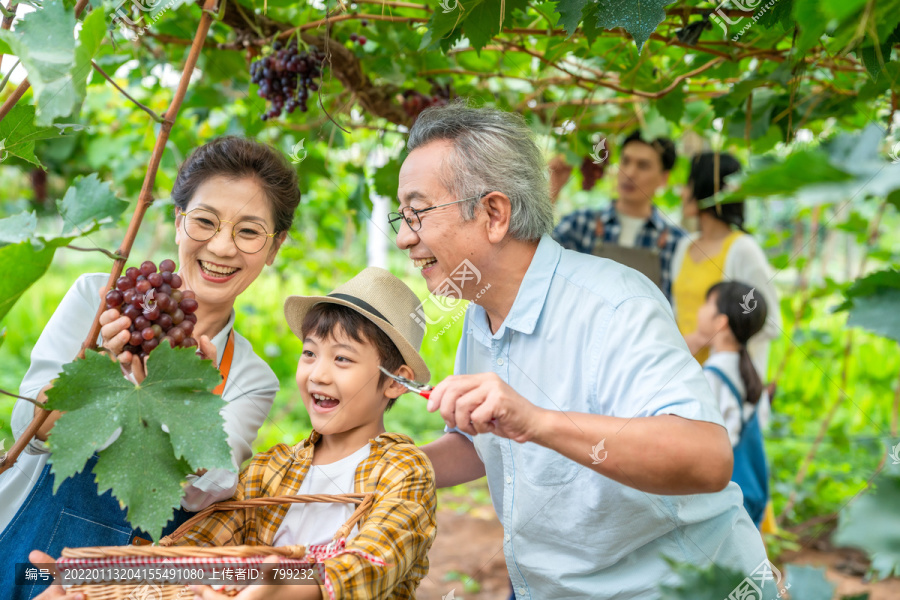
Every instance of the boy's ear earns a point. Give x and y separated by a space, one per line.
394 389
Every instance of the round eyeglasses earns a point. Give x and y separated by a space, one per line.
412 215
201 225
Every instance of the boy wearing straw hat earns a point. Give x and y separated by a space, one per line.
346 335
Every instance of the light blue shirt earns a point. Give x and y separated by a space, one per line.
586 334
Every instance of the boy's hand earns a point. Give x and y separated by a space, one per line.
484 403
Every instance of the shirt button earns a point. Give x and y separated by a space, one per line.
521 592
499 361
508 479
506 537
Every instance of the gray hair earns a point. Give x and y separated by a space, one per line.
493 150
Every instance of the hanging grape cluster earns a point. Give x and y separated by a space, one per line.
590 172
286 77
157 308
415 102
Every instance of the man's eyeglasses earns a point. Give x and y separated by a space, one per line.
412 215
201 225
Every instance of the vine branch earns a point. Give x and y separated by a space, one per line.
143 107
112 255
32 400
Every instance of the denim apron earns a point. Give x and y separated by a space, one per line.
76 516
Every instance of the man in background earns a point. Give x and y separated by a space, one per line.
631 230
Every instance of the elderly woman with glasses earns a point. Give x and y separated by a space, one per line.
235 201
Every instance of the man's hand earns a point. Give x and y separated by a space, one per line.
55 590
484 403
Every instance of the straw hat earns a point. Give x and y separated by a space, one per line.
383 299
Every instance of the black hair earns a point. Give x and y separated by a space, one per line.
325 317
702 180
235 157
663 146
733 299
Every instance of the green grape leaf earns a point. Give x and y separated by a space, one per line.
570 13
92 33
23 265
87 202
671 106
18 134
707 583
18 228
385 179
640 18
44 42
873 302
444 20
877 313
808 583
145 467
894 198
483 21
802 168
870 522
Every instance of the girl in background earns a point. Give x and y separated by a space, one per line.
729 318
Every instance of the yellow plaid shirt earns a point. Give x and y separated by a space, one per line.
398 529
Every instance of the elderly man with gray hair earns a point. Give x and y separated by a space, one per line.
574 391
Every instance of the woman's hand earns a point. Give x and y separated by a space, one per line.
207 349
114 332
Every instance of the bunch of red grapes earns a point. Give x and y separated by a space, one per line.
157 308
415 102
286 77
591 172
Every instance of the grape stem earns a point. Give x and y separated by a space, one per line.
112 255
32 400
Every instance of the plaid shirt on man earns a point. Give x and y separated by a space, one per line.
578 231
398 529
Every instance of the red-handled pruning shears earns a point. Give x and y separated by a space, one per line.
413 386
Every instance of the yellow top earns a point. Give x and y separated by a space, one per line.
691 283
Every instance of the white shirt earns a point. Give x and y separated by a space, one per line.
249 392
630 228
729 404
315 522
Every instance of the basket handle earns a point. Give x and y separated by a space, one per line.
364 500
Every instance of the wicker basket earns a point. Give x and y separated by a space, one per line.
167 556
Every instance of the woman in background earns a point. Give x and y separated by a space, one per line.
722 250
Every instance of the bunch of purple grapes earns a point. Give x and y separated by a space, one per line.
286 77
415 102
157 308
